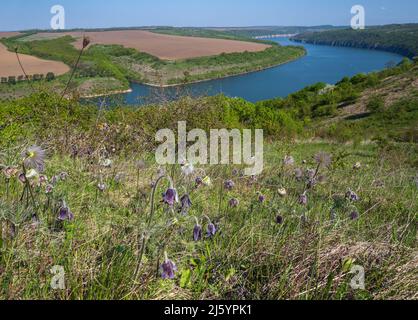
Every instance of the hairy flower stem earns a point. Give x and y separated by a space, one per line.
72 75
23 69
29 188
149 221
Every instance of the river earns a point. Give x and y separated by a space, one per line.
321 64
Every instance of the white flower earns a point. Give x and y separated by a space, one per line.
32 173
282 192
107 163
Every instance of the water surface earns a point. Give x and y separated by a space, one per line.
321 64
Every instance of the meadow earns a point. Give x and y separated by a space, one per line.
81 190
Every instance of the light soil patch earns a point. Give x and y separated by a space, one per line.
8 34
9 65
163 46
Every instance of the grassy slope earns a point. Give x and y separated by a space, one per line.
402 39
252 257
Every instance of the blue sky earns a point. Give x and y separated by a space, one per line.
26 14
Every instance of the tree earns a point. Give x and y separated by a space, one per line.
12 80
50 76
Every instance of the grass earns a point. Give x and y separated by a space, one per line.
251 257
307 255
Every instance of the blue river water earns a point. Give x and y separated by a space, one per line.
321 64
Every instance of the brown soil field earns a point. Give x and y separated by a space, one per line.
9 66
8 34
165 47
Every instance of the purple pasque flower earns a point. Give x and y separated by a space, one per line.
279 219
288 161
233 203
323 159
9 172
49 188
168 268
354 215
229 185
34 158
63 176
65 213
22 177
101 186
352 196
303 199
186 204
211 230
170 197
261 198
197 232
198 181
298 174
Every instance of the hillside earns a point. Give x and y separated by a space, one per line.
339 188
401 39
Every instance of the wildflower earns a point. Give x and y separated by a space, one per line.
310 173
282 192
261 198
357 166
32 173
42 180
9 172
312 183
22 177
207 181
352 196
354 215
140 164
54 180
63 176
288 161
279 219
187 169
197 232
298 174
186 204
101 186
211 230
119 177
170 197
168 268
303 199
198 181
34 158
235 172
65 213
106 163
323 159
49 188
229 185
233 203
86 42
